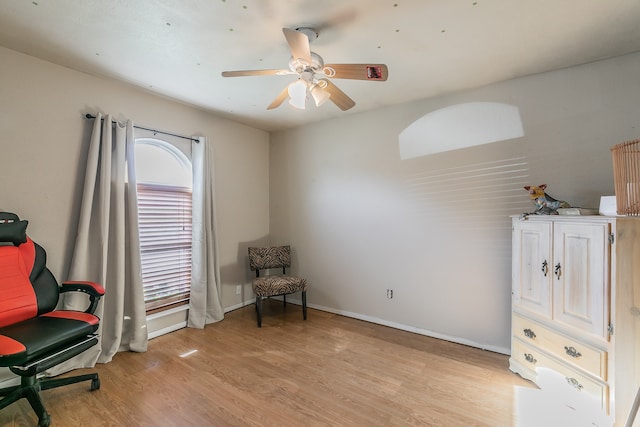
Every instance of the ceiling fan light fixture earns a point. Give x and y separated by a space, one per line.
320 96
298 94
299 65
314 75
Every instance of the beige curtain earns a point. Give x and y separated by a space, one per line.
204 304
107 247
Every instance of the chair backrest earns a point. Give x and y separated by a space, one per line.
27 287
269 257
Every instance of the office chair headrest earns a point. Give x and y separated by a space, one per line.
12 229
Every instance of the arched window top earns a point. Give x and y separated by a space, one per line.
159 162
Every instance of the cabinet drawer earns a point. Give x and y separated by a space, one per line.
531 358
571 350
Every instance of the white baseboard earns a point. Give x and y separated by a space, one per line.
164 322
395 325
402 327
167 330
181 323
237 306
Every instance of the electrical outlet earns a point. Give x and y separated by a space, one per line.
390 293
238 289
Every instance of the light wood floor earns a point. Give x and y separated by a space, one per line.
327 371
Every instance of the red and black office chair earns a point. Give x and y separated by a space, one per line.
34 336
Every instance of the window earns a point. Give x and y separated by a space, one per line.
164 185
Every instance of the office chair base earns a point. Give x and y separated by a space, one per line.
30 388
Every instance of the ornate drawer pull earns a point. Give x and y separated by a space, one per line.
545 267
529 358
574 383
529 333
571 351
558 271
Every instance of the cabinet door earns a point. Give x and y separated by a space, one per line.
580 270
532 270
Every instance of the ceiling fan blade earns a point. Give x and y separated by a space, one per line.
338 97
255 73
279 99
298 43
375 72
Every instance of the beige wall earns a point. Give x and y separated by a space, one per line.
435 229
43 143
360 219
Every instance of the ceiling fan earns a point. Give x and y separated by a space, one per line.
313 74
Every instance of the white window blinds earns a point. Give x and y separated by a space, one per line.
164 215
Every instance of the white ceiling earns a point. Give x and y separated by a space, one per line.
178 48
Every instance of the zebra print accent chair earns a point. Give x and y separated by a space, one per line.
275 284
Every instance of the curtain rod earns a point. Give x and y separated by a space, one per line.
91 116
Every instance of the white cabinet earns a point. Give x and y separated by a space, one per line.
532 266
581 280
576 304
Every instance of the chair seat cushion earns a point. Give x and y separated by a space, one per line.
26 341
268 286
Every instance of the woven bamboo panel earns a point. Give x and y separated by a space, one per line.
626 175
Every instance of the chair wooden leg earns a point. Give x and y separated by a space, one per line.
259 310
304 305
284 300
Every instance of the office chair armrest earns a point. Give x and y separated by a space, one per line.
94 290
